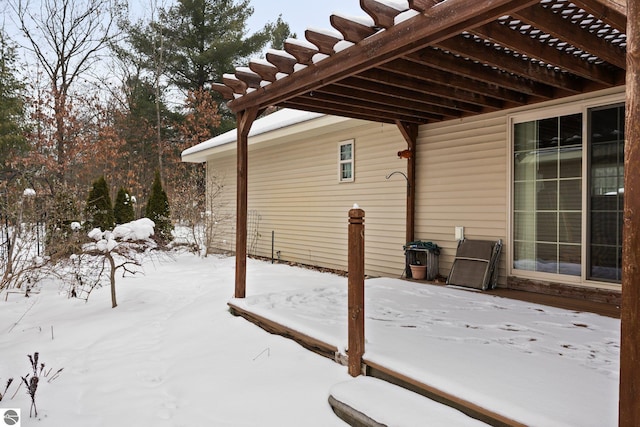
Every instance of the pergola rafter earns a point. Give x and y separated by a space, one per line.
465 57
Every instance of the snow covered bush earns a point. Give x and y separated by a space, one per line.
122 248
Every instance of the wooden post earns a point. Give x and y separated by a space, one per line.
356 291
410 133
629 414
245 119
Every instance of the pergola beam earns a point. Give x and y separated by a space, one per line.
436 58
514 40
479 51
444 78
417 85
324 109
629 414
245 119
399 103
612 12
436 24
554 24
409 132
418 97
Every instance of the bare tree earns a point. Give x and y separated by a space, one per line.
21 265
67 37
121 249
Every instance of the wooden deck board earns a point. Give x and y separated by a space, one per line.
388 374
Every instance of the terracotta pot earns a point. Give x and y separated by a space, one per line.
418 272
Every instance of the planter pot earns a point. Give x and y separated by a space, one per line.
418 272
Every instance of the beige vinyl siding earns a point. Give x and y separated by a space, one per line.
294 191
462 181
462 174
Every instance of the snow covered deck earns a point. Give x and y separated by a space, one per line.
504 361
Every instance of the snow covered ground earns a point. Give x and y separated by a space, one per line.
171 354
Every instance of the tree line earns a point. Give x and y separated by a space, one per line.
87 92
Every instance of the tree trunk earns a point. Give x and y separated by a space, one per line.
112 279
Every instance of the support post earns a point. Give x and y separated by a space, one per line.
356 291
629 411
410 133
245 119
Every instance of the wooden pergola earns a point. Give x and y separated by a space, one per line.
422 61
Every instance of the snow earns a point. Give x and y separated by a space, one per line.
400 5
319 57
171 353
278 120
404 16
247 70
139 229
302 43
538 365
283 53
262 62
394 406
342 45
327 32
298 67
364 20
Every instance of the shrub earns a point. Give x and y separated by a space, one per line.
99 212
157 210
123 207
61 212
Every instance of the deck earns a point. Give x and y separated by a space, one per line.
377 365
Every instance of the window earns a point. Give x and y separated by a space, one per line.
552 231
547 195
345 161
606 198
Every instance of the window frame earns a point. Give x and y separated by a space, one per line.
350 161
582 107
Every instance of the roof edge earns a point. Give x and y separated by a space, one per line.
286 120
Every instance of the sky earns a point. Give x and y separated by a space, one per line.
301 15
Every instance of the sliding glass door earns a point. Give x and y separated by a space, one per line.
550 225
606 198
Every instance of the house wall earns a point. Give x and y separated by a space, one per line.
462 179
294 191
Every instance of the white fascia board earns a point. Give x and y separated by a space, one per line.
280 124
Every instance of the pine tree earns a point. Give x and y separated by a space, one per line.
123 207
157 209
99 212
12 109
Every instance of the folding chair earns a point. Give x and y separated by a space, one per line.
476 264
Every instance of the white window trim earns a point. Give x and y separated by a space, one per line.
538 114
352 161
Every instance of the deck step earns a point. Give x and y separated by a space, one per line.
370 402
